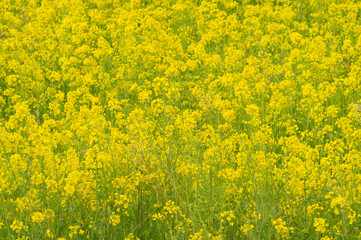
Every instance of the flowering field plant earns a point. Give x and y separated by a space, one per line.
180 119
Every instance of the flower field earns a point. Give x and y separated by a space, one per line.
180 119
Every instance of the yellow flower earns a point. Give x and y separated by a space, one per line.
38 217
114 219
18 225
281 228
320 225
69 189
246 228
49 234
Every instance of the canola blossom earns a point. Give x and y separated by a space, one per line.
180 119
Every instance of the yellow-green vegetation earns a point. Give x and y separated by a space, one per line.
180 119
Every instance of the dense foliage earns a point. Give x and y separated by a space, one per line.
180 119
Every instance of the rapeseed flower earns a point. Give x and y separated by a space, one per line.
180 119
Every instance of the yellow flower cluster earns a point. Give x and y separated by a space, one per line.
180 119
281 228
320 225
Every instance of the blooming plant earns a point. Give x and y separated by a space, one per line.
180 119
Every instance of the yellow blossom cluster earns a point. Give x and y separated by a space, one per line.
180 119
